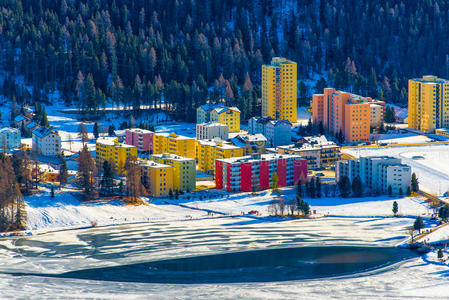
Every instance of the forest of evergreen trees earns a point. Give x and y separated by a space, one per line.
176 54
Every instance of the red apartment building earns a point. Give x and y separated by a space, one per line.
254 173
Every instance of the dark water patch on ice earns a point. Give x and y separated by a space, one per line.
252 266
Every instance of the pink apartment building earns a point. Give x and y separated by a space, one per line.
141 138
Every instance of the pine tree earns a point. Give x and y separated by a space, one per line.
111 130
414 183
390 191
357 187
418 224
318 187
52 192
395 208
107 180
63 173
344 185
96 130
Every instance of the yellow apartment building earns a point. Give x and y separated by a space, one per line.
207 151
217 113
184 170
279 89
173 143
108 148
157 178
428 103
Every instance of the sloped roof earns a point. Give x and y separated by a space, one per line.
43 132
32 125
20 118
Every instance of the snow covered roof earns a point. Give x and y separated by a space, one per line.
139 130
217 143
20 118
209 124
32 125
113 141
153 165
171 156
258 157
10 130
225 109
173 136
219 108
43 132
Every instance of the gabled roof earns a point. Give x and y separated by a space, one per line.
20 118
32 125
43 132
219 108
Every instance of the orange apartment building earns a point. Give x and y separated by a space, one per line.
350 113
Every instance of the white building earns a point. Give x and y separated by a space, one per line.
277 132
208 131
377 173
46 142
9 138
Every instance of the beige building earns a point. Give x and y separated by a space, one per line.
207 131
376 115
318 151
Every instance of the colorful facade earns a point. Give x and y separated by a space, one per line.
217 113
255 172
279 89
428 103
344 112
207 151
108 148
184 170
157 178
173 143
141 138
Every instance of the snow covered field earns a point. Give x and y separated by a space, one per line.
65 211
430 163
403 138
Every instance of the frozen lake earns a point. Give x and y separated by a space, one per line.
117 248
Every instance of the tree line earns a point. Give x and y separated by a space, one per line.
176 54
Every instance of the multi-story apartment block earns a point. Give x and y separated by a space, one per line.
347 113
108 148
207 151
250 143
141 138
207 131
277 132
46 142
184 170
173 143
377 173
9 138
428 103
255 172
318 151
217 113
157 178
279 95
